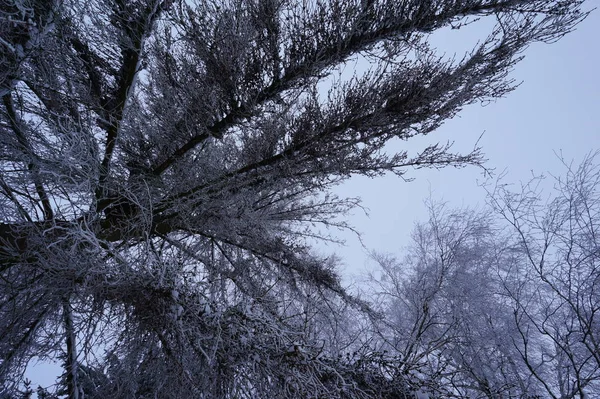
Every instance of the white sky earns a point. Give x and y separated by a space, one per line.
556 108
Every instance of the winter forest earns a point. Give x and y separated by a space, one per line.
168 168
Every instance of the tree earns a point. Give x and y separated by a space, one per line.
163 163
556 304
447 319
502 302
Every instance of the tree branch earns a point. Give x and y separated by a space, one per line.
32 162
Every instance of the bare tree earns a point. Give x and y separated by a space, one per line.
163 162
447 318
556 303
501 302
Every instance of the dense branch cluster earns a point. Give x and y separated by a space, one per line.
164 162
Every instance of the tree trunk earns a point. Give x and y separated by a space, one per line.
71 358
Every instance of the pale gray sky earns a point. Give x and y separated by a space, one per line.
556 108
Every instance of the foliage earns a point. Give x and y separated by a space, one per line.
164 162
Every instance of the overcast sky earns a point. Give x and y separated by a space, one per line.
556 109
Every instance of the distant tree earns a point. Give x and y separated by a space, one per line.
555 289
504 302
163 162
446 319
